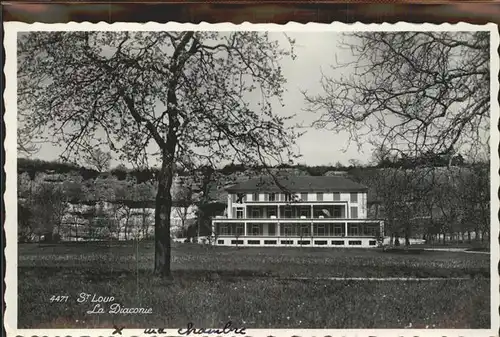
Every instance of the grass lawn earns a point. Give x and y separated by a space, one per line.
474 245
252 287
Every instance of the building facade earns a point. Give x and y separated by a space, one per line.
297 211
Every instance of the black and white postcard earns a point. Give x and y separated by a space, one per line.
258 180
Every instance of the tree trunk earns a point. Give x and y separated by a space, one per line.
126 223
144 227
163 209
198 233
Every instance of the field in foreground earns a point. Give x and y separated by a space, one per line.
252 287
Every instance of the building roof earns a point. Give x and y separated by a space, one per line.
296 184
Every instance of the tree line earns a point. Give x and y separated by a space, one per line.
432 203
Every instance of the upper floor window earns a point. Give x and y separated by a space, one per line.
354 197
255 213
319 196
239 213
255 197
337 212
240 198
303 196
272 196
336 196
354 212
304 212
271 212
288 197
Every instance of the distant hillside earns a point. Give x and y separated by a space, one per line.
87 185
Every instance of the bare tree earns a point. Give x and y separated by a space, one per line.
48 205
473 192
25 223
414 92
183 198
143 193
177 97
25 145
125 216
98 159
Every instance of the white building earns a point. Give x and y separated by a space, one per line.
297 211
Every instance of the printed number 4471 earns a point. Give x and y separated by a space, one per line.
59 299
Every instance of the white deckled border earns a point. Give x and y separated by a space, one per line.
10 198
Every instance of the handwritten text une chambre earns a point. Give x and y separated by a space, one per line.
114 308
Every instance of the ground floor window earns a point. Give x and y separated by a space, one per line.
371 229
355 243
305 230
339 230
271 229
230 229
239 230
223 229
287 229
319 229
353 229
269 242
255 229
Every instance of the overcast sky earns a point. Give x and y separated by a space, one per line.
315 52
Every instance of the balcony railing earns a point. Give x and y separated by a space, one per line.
299 236
344 229
274 217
